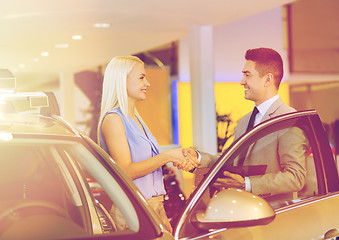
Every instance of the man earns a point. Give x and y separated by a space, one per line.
283 151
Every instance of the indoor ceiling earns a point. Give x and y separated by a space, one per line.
29 28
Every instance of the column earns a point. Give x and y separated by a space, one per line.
66 99
201 54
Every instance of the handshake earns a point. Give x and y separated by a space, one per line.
187 160
184 158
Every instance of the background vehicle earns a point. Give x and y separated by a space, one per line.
174 200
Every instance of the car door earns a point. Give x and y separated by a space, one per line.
304 210
45 192
112 188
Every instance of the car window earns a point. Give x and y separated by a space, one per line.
107 192
279 159
278 162
34 192
42 183
285 150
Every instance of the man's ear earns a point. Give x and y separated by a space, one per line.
269 79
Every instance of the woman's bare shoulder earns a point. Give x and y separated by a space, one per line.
112 123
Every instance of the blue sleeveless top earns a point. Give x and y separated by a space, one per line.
142 146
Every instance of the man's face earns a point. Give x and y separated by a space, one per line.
254 84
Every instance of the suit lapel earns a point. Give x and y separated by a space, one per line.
242 126
273 108
269 114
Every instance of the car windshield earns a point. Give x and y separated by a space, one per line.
40 178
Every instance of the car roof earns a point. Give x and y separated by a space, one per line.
35 123
35 113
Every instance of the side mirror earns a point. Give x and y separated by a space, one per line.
331 234
52 107
234 208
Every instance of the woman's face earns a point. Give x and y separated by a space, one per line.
137 83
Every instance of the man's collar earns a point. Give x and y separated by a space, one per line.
263 107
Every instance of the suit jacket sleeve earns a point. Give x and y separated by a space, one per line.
207 160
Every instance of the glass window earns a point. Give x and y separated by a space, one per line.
107 192
277 161
44 179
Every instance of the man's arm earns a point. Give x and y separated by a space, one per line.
285 156
291 156
206 159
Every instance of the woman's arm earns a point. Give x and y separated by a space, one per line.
113 133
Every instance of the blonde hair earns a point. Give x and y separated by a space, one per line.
114 90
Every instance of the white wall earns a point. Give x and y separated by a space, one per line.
232 40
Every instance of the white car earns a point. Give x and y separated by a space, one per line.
45 165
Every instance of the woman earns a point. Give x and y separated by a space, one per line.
124 135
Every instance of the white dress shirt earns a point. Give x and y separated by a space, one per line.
262 108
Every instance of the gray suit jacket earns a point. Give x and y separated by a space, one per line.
282 151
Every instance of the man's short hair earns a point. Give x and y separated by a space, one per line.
266 61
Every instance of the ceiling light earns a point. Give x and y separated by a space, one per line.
61 45
45 54
36 59
76 37
101 25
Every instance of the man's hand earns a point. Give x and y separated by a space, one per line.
191 160
189 151
231 180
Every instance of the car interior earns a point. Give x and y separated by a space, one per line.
34 193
